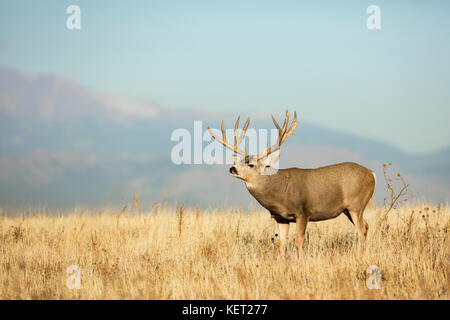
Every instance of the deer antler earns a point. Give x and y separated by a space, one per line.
237 141
283 134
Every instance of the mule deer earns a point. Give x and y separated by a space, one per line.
301 195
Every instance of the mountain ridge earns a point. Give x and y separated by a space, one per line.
96 149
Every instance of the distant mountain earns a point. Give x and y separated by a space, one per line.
63 145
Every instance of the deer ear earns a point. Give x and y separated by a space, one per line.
271 158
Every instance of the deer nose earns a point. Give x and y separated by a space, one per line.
233 170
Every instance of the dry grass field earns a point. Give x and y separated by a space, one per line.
227 254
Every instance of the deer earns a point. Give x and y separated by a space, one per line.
300 195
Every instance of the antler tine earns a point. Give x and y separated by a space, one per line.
223 134
266 151
235 132
244 131
286 122
283 134
291 128
236 141
276 123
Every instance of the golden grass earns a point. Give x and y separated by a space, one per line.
193 254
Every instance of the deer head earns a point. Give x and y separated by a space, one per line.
248 167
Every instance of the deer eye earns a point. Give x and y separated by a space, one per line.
251 165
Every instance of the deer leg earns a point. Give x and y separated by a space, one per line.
283 229
364 229
360 224
301 222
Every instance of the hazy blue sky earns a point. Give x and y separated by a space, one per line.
242 56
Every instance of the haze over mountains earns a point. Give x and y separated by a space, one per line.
63 145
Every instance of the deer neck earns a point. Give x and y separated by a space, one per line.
267 189
262 184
